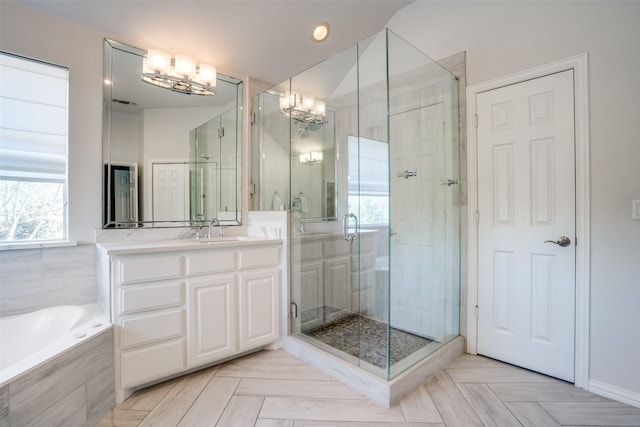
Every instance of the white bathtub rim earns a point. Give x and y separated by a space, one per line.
96 325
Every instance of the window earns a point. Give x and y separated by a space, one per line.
371 191
33 150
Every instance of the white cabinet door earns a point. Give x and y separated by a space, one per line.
259 308
337 283
312 295
211 310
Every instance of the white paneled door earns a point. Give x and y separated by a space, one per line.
418 223
526 243
170 191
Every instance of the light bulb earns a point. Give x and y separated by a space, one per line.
320 32
158 61
321 108
288 101
185 66
208 74
308 102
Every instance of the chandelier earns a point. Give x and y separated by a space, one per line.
179 74
304 108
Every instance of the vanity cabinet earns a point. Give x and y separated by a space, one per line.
335 276
325 278
180 310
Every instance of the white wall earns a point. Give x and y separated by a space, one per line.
43 36
505 37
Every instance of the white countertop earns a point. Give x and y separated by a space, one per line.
154 246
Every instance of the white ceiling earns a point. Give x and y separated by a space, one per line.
268 40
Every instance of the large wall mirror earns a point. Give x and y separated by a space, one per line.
294 158
169 158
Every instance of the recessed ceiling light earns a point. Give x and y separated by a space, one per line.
320 32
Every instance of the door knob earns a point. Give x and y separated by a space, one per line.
563 242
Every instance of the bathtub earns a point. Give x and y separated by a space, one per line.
29 340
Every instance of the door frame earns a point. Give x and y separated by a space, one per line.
579 65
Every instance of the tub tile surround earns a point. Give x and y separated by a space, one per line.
75 388
58 276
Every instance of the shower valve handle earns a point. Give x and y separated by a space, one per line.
408 174
448 182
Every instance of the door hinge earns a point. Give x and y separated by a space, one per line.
475 121
476 214
477 312
293 310
220 132
253 118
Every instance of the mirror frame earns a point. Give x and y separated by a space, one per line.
108 223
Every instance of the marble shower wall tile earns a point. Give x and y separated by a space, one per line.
33 279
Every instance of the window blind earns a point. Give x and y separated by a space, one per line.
33 120
370 164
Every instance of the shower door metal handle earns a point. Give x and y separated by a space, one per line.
345 227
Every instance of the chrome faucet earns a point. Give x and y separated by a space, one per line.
196 228
214 222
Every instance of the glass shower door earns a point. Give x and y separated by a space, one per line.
424 202
322 106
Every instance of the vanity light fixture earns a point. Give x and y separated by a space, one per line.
180 74
320 32
304 108
312 158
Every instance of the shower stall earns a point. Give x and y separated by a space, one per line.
369 138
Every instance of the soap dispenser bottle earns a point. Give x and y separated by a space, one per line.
277 201
304 207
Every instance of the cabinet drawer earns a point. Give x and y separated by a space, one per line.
150 296
149 363
259 257
210 262
151 327
336 246
145 268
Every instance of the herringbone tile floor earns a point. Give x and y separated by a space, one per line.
274 389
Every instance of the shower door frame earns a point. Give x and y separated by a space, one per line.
578 64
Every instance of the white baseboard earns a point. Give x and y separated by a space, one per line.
615 393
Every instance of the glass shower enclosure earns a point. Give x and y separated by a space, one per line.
369 138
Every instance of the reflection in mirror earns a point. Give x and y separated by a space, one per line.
213 172
151 159
290 141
